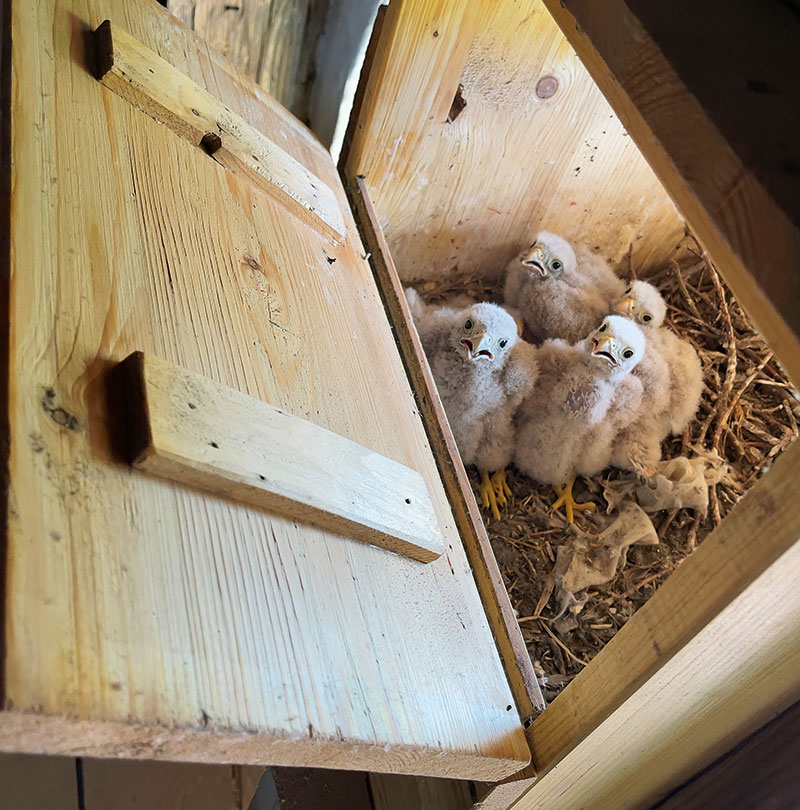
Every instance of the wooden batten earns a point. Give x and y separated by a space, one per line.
191 430
150 83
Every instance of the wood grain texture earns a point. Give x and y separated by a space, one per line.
146 620
157 88
740 197
391 792
38 783
125 785
196 432
462 198
488 578
271 41
759 774
712 656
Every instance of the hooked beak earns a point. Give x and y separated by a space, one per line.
477 348
535 258
599 349
625 306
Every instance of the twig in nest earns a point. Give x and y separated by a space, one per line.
644 582
682 284
725 415
562 645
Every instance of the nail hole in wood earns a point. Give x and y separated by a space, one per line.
214 445
408 500
457 107
261 477
192 406
211 142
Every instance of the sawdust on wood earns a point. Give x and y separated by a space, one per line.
749 414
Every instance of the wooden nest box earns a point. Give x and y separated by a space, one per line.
236 529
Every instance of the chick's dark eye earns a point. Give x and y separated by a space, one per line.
556 265
468 324
627 354
603 328
647 318
503 342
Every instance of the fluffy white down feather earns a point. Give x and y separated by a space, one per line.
481 395
566 426
568 305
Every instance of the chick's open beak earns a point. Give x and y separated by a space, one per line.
535 258
603 346
477 347
625 306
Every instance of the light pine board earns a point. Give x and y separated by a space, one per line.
463 197
710 658
726 154
157 88
157 621
191 430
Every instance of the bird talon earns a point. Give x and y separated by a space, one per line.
502 491
488 497
566 500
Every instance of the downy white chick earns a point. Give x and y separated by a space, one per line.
585 394
559 292
482 371
643 303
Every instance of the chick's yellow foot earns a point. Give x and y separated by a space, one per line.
488 499
501 489
566 500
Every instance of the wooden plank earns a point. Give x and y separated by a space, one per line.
318 789
459 199
271 41
390 792
713 655
187 428
510 644
38 783
125 785
759 774
150 83
148 620
686 115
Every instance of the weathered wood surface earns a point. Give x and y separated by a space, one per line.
191 430
38 783
390 792
124 785
271 41
712 108
712 656
157 88
146 620
463 197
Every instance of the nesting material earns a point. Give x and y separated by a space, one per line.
748 415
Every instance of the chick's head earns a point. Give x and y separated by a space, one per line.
484 334
643 303
549 257
619 343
